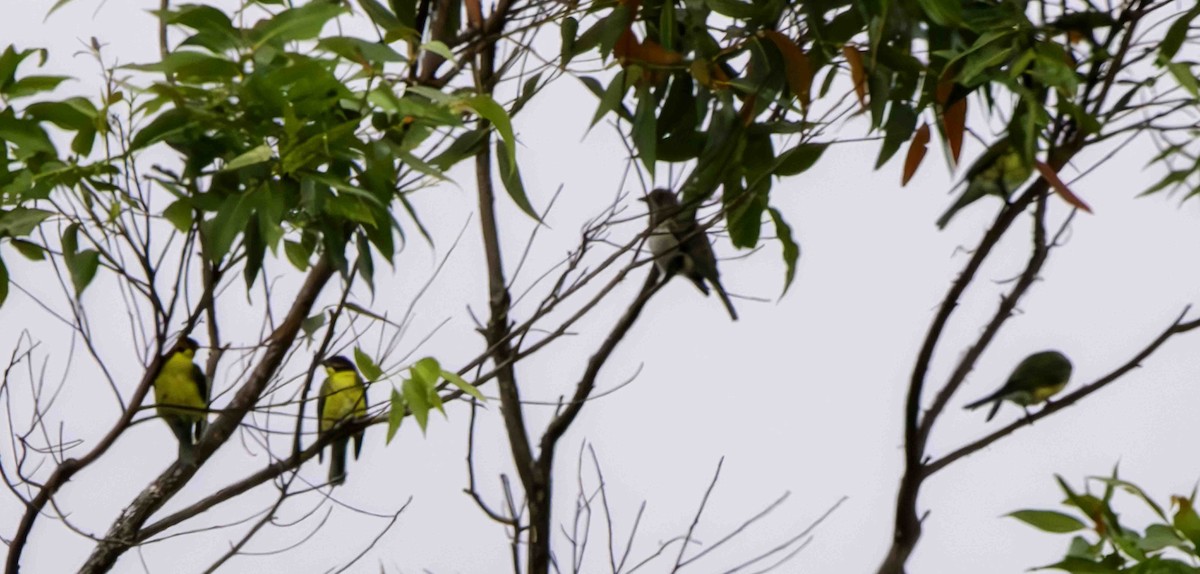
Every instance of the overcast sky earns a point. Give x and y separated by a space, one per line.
802 395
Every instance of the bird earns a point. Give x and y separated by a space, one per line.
181 396
999 171
680 246
1036 379
343 397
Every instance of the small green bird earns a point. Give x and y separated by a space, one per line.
999 171
680 246
343 397
181 396
1039 377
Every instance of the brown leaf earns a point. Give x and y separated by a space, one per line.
954 123
799 71
652 52
942 93
858 74
1060 187
916 153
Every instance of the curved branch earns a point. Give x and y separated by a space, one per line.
1178 327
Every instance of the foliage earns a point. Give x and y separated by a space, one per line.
1170 545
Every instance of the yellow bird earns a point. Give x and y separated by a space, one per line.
343 397
1038 377
181 396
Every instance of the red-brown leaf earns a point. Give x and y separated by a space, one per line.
1060 187
954 122
858 74
798 69
916 153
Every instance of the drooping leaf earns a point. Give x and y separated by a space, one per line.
514 185
916 153
417 399
462 384
367 366
791 249
1059 187
395 415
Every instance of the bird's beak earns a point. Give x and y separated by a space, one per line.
644 199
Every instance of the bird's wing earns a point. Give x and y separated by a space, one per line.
201 382
321 407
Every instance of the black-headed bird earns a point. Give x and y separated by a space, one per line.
181 396
1039 377
680 246
343 397
999 171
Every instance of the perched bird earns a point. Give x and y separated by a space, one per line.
343 397
680 246
181 396
1039 377
999 171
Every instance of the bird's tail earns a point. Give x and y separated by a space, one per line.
337 462
992 398
725 300
182 430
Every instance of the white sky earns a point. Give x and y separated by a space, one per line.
802 395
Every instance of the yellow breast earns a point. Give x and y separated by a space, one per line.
174 386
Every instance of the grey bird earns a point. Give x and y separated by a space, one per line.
680 246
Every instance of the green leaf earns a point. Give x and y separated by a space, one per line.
1080 566
180 214
1182 72
81 265
645 132
383 17
417 398
355 49
1049 520
395 415
1159 536
515 187
1177 33
21 221
367 366
440 48
257 155
163 126
311 324
301 23
30 85
901 123
31 251
567 32
1187 521
791 249
231 219
946 13
27 135
611 98
488 109
75 114
453 378
297 254
798 159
